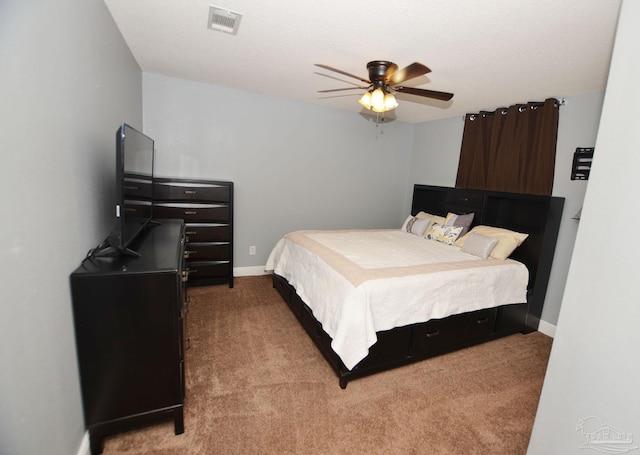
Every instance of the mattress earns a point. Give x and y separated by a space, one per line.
359 282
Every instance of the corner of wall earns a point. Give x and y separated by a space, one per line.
547 329
84 448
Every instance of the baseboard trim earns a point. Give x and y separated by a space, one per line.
250 271
547 329
84 448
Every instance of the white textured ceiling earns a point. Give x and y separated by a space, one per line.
489 53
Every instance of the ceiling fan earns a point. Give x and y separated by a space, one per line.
384 79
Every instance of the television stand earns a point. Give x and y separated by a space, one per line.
129 316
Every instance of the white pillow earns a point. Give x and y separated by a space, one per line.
507 240
432 219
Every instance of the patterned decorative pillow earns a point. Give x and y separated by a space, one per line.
421 216
404 225
444 234
460 220
411 217
417 225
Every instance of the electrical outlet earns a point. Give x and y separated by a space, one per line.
252 250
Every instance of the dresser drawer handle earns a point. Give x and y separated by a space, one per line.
190 192
128 187
191 232
435 333
190 212
190 252
464 199
482 320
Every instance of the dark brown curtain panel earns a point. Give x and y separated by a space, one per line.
511 149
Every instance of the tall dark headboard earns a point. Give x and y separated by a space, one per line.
538 216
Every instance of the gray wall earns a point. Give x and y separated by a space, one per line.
436 149
66 80
299 166
294 165
593 369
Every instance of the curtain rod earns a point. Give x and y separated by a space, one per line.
560 101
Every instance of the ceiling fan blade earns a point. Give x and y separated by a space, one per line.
330 68
444 96
341 89
392 69
414 70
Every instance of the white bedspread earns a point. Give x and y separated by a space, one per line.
358 282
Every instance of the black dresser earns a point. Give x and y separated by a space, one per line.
129 326
206 206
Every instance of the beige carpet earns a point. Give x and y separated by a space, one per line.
257 385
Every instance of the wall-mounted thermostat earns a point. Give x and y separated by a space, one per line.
582 158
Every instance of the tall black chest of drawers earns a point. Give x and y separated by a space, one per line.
206 206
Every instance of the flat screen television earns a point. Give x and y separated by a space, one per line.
134 188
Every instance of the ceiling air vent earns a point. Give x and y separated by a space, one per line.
224 20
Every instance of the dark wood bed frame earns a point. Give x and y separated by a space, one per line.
539 216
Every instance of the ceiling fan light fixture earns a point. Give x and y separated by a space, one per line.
385 77
377 100
365 101
390 102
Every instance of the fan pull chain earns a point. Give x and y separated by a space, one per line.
379 120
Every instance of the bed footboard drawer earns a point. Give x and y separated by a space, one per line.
392 346
511 319
312 326
441 335
297 305
283 288
288 294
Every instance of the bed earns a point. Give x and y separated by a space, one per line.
372 300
